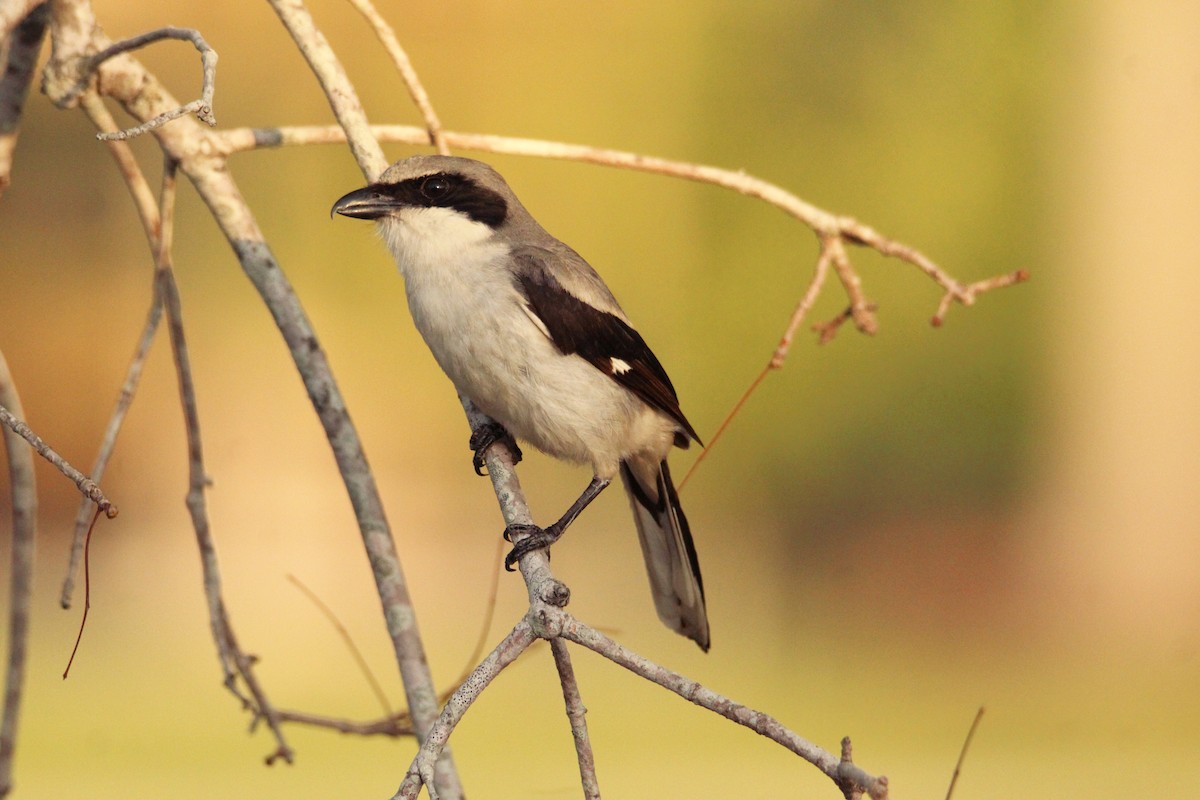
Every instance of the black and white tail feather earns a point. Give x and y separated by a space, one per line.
667 546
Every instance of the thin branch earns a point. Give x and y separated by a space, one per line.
233 660
764 724
395 725
202 108
347 640
969 292
861 310
962 754
824 223
144 201
108 443
412 81
13 13
829 247
421 771
147 208
22 481
85 484
576 714
18 57
344 101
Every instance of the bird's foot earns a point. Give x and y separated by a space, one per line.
484 437
535 538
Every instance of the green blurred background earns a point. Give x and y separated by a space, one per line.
896 530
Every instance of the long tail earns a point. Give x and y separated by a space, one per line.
668 548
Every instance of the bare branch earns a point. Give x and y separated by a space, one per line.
962 754
347 640
233 660
147 209
412 82
757 721
202 107
395 725
421 771
336 85
24 528
824 223
576 714
85 484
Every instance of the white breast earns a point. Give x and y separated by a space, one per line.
466 305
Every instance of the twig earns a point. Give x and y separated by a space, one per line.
19 63
202 108
412 81
421 771
576 714
962 754
147 208
861 310
344 634
829 247
233 660
344 101
85 484
108 442
764 724
395 725
822 222
87 591
22 481
144 200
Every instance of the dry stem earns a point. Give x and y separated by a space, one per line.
202 107
576 714
24 528
85 484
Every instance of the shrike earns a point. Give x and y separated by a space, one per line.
528 331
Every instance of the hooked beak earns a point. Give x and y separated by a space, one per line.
370 202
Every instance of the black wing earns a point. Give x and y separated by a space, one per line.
605 340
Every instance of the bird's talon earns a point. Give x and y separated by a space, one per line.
535 539
484 437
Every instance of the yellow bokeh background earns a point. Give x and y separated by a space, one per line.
896 530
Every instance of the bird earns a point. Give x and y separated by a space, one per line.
528 331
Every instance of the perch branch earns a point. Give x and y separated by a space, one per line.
764 724
22 482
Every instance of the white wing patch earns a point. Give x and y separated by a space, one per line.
620 367
541 326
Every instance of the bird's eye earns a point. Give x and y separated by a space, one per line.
435 187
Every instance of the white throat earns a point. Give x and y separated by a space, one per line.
427 242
